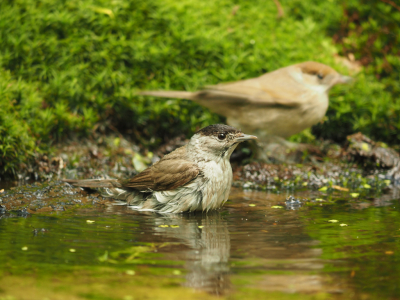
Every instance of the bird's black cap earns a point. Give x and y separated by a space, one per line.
216 129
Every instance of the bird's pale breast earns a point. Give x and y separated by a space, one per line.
218 176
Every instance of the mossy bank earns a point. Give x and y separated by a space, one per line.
73 68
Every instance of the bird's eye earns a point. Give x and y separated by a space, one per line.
221 136
320 76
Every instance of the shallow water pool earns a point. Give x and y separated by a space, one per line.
256 247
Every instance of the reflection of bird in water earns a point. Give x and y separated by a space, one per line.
273 106
208 238
246 240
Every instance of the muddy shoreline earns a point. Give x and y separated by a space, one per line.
362 168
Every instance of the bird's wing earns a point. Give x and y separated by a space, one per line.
167 174
266 90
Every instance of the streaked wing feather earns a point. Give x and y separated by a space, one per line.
165 175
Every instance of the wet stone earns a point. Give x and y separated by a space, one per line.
371 154
293 203
22 212
45 198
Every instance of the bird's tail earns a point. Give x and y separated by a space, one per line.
169 94
131 197
111 188
94 183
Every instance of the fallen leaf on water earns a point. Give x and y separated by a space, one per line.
176 272
319 199
276 206
389 252
343 224
24 248
103 257
354 195
72 250
323 189
200 226
333 221
130 272
163 226
90 221
366 186
252 205
174 226
339 188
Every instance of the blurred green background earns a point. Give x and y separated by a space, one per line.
73 67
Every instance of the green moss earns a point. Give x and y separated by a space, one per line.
75 66
17 141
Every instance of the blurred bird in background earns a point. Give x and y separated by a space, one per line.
273 106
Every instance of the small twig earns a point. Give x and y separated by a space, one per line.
392 4
281 13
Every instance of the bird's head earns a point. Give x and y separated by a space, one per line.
216 141
318 76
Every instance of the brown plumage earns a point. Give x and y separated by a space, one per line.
171 172
280 103
197 176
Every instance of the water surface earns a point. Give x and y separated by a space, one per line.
255 247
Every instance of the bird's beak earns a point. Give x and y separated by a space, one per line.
245 137
345 79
